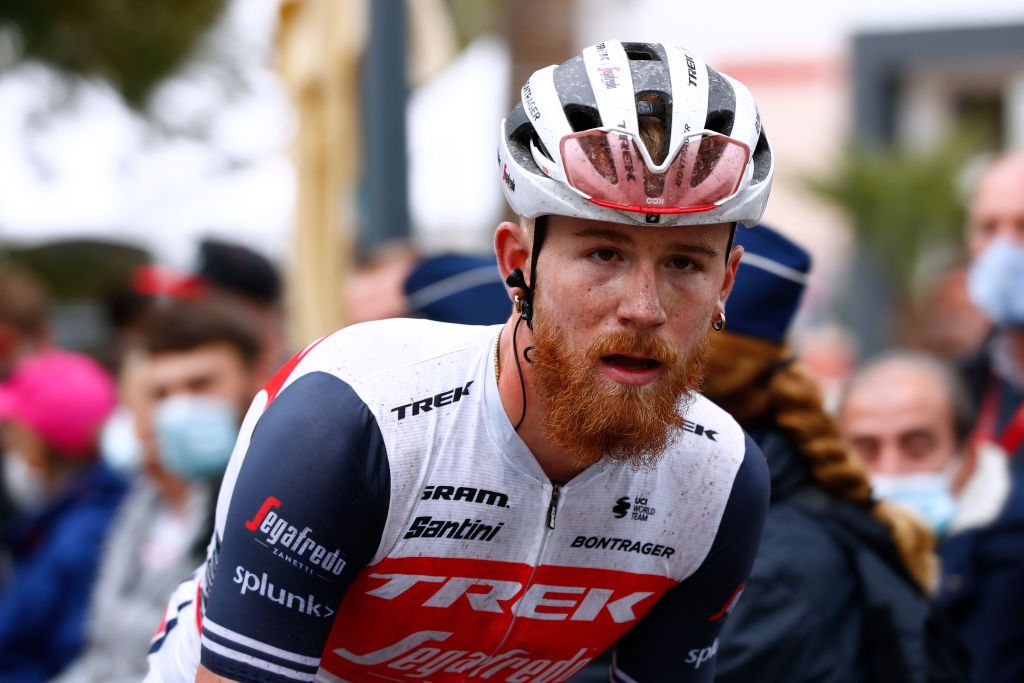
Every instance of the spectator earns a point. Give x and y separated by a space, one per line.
375 290
24 311
249 278
451 288
995 238
24 331
984 569
837 592
909 418
52 407
202 367
232 272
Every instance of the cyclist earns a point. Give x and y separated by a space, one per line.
410 500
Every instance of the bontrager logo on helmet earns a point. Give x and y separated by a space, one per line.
573 146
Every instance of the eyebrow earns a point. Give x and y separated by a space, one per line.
619 238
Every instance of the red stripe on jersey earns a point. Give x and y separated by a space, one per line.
199 605
729 604
273 387
163 625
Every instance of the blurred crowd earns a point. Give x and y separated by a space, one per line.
895 540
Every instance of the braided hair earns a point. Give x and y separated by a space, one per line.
763 387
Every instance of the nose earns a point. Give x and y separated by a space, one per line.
641 304
889 460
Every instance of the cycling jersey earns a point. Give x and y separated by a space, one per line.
382 520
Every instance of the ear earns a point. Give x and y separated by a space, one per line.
512 249
730 278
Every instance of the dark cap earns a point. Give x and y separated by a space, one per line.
240 270
769 285
455 288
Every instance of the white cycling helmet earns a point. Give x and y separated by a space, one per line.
572 147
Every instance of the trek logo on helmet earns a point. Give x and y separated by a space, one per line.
691 70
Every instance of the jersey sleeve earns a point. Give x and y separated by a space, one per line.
678 639
305 515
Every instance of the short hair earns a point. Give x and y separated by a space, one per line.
961 405
185 325
24 303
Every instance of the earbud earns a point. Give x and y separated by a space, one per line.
517 279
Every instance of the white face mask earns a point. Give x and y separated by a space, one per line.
120 447
26 488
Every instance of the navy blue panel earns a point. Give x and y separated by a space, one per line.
457 288
307 514
762 303
678 639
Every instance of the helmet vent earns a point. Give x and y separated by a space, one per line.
582 118
720 121
643 52
640 56
762 158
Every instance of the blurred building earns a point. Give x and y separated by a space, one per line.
914 87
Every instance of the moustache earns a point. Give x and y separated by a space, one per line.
632 343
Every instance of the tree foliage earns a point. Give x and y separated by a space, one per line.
133 44
901 204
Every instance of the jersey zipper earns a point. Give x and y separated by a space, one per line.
549 524
556 492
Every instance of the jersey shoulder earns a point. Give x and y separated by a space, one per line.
360 353
709 431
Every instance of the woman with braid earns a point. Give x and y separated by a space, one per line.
839 590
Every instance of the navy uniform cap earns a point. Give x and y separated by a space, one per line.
770 282
456 288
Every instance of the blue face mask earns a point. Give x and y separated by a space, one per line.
195 435
995 282
926 493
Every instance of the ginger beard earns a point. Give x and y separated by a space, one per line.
591 416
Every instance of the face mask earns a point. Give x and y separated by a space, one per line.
119 444
926 493
195 435
24 484
995 282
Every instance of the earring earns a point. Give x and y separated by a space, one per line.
518 303
719 325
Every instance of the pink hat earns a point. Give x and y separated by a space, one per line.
63 397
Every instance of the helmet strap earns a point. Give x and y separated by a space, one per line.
540 232
524 305
732 240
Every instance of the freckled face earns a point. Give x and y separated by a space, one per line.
597 279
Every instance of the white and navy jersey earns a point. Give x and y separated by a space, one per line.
382 520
